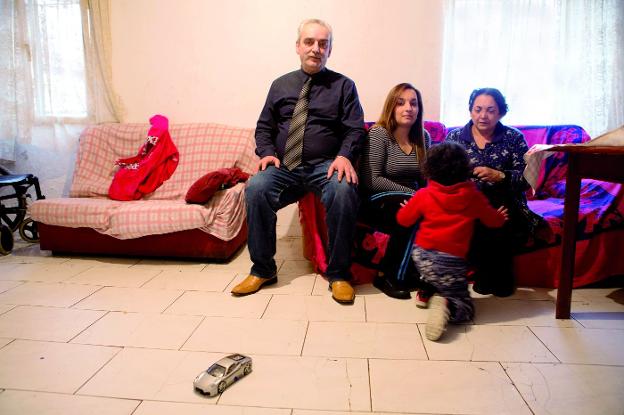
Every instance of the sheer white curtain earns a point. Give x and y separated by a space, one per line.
557 62
55 59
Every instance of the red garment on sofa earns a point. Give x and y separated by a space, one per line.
156 161
206 186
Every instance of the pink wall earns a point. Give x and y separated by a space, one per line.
204 60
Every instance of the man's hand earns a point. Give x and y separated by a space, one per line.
266 161
487 174
343 166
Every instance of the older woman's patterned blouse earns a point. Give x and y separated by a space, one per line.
505 153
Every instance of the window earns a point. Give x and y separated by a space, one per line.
557 62
58 60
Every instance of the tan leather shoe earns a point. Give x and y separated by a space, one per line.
252 284
342 292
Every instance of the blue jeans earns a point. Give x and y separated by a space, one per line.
270 190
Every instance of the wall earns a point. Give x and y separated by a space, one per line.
204 60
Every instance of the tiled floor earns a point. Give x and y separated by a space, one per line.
128 336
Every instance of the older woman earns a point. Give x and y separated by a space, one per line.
390 170
496 154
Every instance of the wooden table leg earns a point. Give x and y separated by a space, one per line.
568 244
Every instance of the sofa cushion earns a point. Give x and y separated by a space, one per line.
88 212
222 216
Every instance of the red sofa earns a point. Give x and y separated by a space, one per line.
600 228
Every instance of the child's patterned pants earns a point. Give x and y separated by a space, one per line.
447 273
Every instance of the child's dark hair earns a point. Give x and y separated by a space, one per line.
447 163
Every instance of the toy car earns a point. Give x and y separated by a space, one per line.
222 374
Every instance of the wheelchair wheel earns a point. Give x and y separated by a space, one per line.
28 230
6 240
13 215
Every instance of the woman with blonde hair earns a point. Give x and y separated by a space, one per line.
391 171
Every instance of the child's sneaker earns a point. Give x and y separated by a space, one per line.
438 318
422 299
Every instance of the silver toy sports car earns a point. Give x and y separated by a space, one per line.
222 374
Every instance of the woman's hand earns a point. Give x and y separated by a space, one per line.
503 211
488 174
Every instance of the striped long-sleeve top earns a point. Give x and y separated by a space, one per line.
385 167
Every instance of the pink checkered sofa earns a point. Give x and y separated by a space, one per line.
162 223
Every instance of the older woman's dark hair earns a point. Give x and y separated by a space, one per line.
447 163
495 94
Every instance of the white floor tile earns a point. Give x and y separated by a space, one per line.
600 314
205 280
6 307
169 408
313 308
488 343
4 341
6 268
443 388
165 264
150 374
43 272
47 294
296 267
382 309
531 293
158 331
303 382
7 285
248 336
579 345
147 300
364 340
40 403
49 366
220 304
114 276
46 323
495 311
569 389
95 261
595 294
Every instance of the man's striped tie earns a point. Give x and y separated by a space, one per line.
294 140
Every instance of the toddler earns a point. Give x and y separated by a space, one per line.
448 208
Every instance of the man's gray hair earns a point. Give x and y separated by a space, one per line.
318 22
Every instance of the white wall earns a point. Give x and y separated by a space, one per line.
213 61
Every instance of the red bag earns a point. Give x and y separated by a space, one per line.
206 186
145 172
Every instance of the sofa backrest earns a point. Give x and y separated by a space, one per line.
203 147
553 172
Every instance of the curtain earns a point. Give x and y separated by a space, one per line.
55 57
16 92
557 62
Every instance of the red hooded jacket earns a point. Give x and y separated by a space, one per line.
448 215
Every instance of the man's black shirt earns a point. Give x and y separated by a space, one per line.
335 122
